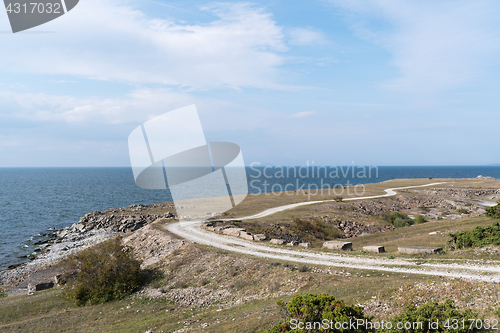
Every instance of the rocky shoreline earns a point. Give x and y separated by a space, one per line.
91 229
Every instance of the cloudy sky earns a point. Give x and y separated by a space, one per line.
373 82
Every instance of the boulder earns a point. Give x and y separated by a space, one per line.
374 249
232 231
277 241
292 243
259 237
306 245
246 235
334 245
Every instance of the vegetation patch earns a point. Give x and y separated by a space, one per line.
325 313
398 219
493 211
304 310
477 237
316 229
102 273
444 317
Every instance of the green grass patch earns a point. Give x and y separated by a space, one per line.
102 273
477 237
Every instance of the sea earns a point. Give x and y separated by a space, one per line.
37 201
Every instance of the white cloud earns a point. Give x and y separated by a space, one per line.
303 114
434 44
111 40
135 107
306 36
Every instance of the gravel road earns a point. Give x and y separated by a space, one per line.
468 269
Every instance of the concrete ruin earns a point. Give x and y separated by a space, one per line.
233 231
374 249
335 245
419 250
277 241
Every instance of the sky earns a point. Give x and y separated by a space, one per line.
329 82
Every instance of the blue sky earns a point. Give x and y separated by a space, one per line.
335 82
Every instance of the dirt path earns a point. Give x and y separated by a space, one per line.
471 271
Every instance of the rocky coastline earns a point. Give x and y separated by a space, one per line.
91 229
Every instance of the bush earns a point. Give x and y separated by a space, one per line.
477 237
493 211
304 268
497 313
338 199
104 272
463 211
312 308
398 219
316 229
444 313
420 219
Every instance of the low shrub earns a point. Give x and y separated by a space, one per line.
304 310
463 211
338 199
102 273
493 211
477 237
398 219
497 312
420 219
315 229
444 314
304 268
400 223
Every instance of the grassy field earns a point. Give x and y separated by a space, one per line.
47 311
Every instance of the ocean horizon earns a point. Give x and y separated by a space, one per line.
37 200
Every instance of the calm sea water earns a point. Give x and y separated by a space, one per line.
36 200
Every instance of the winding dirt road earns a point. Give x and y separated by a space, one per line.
466 270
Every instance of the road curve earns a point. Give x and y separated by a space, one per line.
192 231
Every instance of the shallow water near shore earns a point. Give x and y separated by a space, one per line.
36 201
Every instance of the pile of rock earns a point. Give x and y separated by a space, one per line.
353 229
187 297
232 231
114 221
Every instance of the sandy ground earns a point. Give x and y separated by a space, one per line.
488 271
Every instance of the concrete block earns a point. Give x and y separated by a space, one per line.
374 249
232 231
418 250
39 286
335 245
246 235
